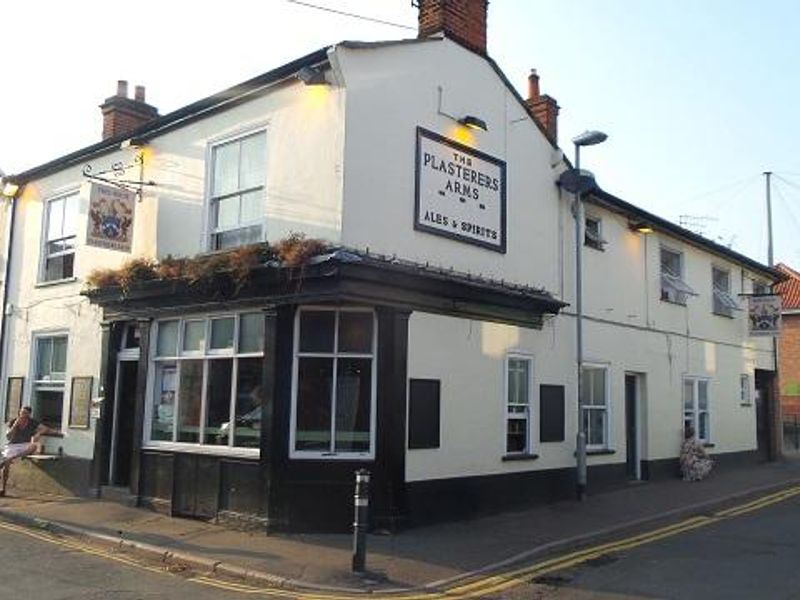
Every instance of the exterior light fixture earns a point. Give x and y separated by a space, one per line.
473 122
312 76
641 227
589 138
8 189
132 143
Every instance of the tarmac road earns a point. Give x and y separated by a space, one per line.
749 556
33 567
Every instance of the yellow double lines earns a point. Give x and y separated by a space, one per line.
477 587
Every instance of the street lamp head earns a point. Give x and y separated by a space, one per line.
589 138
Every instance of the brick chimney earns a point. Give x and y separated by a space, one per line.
461 20
545 108
122 115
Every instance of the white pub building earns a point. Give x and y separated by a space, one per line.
432 340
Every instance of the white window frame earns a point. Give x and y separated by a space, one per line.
590 239
723 303
43 246
695 408
209 217
158 363
48 385
606 445
673 286
335 354
745 391
529 413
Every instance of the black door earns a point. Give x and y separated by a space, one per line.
764 381
631 453
126 407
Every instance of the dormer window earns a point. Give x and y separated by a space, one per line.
592 233
673 287
724 302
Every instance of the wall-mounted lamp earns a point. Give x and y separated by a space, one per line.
312 76
641 227
473 122
8 189
132 143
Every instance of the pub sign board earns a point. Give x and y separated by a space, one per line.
111 214
460 192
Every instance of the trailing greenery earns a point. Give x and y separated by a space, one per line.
236 264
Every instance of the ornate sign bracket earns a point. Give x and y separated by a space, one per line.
115 176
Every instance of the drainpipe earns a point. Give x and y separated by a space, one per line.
3 326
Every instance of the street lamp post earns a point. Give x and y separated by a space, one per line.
587 138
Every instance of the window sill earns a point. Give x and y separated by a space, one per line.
519 456
673 302
720 314
598 247
598 452
44 284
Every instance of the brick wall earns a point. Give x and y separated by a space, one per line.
461 20
790 366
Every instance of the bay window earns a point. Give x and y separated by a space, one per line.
207 387
333 411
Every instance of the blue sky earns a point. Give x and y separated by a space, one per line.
698 97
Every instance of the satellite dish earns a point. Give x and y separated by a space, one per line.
577 182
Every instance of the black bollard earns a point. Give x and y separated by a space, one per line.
361 520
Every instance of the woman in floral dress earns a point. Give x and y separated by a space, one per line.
695 463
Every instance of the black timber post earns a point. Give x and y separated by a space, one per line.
145 330
268 386
110 335
389 478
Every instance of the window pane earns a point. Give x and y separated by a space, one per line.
226 169
249 398
194 336
314 384
167 338
671 262
598 387
218 402
44 356
586 386
702 422
227 212
721 279
190 399
54 268
517 436
70 216
316 330
164 403
702 394
251 333
59 365
253 161
222 333
237 237
49 407
252 208
353 404
518 381
55 219
132 337
355 332
688 394
596 420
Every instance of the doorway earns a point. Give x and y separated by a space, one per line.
124 415
765 380
633 469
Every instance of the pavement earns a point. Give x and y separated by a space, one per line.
432 557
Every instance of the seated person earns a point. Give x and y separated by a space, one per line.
695 462
23 440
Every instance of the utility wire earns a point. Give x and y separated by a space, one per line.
352 15
787 181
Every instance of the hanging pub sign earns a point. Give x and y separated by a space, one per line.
460 192
764 315
111 212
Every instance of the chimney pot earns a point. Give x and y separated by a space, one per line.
533 86
139 93
122 88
